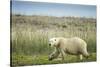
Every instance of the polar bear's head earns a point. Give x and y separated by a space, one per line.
53 41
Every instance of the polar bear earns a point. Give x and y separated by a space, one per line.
74 46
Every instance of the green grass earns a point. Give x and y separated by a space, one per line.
22 60
30 36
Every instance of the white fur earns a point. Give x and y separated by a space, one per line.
75 46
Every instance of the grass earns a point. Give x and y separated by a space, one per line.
30 36
22 60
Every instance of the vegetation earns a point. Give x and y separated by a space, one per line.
30 34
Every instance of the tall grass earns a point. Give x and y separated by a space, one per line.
30 34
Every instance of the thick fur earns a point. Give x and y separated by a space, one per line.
75 46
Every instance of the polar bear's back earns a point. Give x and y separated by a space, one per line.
73 45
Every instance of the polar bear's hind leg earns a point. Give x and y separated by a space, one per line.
81 57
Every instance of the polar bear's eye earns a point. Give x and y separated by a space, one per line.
55 39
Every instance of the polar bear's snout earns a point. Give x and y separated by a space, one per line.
49 44
50 57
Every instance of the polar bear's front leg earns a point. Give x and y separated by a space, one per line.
62 54
54 54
